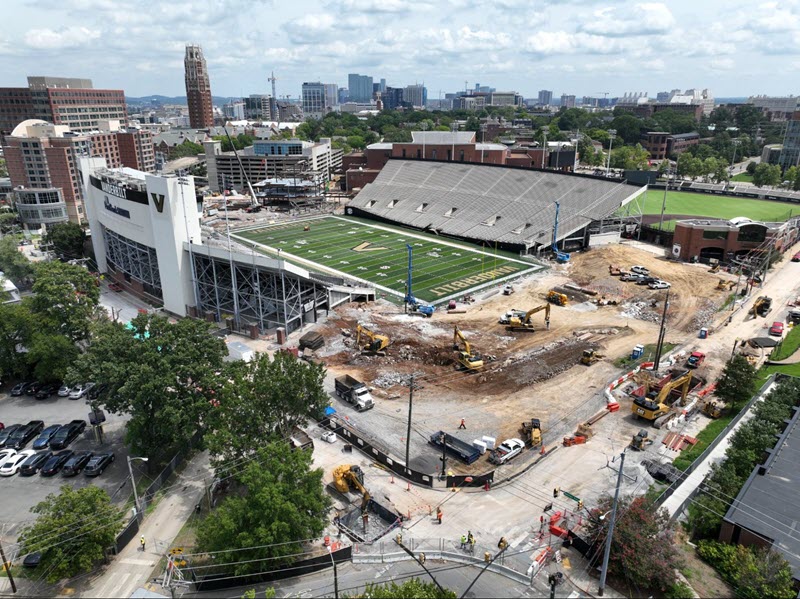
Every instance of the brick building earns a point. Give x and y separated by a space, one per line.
198 88
61 101
662 144
648 110
136 150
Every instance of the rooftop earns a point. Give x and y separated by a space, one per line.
443 137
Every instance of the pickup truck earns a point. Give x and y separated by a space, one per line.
696 359
507 450
353 392
513 313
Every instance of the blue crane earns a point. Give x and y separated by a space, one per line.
409 299
560 256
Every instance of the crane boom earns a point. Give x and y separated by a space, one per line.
253 200
560 256
409 299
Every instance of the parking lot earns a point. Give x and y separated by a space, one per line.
21 493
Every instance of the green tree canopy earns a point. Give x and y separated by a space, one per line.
66 239
187 148
72 531
767 174
16 326
14 263
65 299
643 548
164 375
628 127
8 221
755 572
282 502
630 157
415 588
51 356
736 385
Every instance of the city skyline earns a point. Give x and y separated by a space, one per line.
573 48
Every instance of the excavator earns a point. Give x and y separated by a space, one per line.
348 478
591 356
559 299
515 323
467 359
652 408
762 306
640 440
713 409
371 343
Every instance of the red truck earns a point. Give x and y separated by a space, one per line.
695 359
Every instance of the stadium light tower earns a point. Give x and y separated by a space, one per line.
612 133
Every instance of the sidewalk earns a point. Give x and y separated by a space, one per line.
131 569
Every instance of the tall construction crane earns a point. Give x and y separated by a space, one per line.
653 408
272 80
516 323
560 256
466 358
253 199
409 299
371 342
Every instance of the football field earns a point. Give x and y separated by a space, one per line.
377 254
711 206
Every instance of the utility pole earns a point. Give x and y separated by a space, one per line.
408 431
607 552
444 456
7 566
661 333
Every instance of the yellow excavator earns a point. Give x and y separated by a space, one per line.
712 409
524 324
532 432
370 342
466 358
559 299
655 407
348 478
591 356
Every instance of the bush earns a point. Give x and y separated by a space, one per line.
720 556
754 572
679 590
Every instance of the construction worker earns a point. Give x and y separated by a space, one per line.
472 544
141 542
439 514
463 541
463 424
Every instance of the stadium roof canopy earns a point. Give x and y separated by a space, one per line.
490 203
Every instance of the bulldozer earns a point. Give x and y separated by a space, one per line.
652 408
532 432
640 440
348 478
591 356
712 409
515 323
724 285
371 343
466 358
559 299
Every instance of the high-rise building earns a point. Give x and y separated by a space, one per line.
567 101
416 95
545 97
259 107
392 98
313 97
61 101
344 95
198 89
383 85
790 153
360 87
234 110
331 96
505 99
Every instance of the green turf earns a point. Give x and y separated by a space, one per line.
713 206
788 345
747 177
378 255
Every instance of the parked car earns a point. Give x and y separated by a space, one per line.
32 560
98 463
79 391
631 277
329 437
47 390
67 434
640 270
76 463
776 329
20 388
63 390
33 388
659 284
34 463
43 440
12 464
24 434
646 280
506 450
6 433
796 257
56 462
96 391
5 454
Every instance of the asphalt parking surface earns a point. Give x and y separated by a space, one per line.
21 493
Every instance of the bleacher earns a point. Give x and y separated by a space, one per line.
489 203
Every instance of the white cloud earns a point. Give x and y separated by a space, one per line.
774 17
65 37
642 19
549 43
723 64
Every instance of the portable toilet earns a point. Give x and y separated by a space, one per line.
638 352
703 333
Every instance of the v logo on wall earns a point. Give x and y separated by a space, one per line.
158 200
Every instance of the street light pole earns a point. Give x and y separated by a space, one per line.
133 483
663 203
611 133
607 552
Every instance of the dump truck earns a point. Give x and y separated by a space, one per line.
354 392
464 451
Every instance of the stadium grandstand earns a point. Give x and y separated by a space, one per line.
514 208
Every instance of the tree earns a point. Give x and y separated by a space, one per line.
737 383
8 222
643 548
791 175
51 356
263 397
751 168
754 572
628 127
721 173
187 148
282 501
65 299
16 326
410 588
630 158
72 531
14 263
3 168
767 174
162 374
67 240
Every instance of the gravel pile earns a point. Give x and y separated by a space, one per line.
641 311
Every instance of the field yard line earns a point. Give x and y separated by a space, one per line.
430 240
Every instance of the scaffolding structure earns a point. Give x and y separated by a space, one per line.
134 259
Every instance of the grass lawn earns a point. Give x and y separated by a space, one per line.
649 353
667 225
746 177
788 345
714 206
377 254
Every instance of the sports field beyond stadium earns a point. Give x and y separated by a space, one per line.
377 254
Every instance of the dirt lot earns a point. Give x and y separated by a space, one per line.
526 374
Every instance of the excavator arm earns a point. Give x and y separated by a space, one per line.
683 382
545 307
458 336
376 342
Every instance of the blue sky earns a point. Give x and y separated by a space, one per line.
586 47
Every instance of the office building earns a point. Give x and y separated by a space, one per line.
382 86
61 101
259 107
344 95
545 97
198 88
136 149
360 87
331 96
392 98
567 101
416 95
505 99
313 97
790 152
234 110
